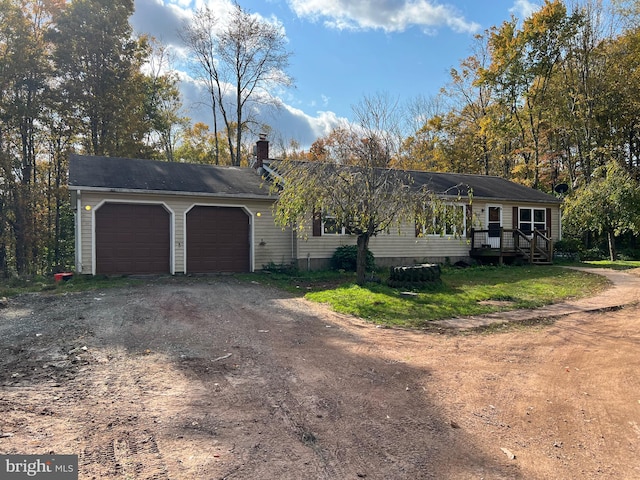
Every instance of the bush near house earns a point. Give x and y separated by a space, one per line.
568 249
345 258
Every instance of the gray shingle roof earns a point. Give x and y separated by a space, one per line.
127 174
483 187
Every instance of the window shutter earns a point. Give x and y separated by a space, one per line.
469 213
514 220
317 223
549 222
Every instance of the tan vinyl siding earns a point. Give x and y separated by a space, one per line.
276 244
272 244
394 245
480 215
86 223
404 245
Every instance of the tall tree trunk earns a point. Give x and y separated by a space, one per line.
612 245
485 155
20 231
216 156
361 261
3 228
239 105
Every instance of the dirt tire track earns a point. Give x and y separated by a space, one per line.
212 378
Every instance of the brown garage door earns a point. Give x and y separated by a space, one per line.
132 239
217 240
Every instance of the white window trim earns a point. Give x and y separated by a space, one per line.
532 222
333 234
343 229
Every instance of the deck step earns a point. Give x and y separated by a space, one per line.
538 257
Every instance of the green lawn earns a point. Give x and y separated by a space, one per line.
461 293
78 283
617 265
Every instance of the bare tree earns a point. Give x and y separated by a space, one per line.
354 184
200 38
163 102
420 109
242 61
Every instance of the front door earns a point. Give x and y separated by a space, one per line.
494 223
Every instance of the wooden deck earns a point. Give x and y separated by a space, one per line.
510 244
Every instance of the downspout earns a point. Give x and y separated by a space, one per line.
294 255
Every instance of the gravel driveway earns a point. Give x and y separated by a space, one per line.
220 379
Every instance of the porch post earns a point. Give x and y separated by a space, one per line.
533 247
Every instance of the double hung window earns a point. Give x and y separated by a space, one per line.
331 226
531 219
450 219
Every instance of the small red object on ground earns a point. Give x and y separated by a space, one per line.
62 276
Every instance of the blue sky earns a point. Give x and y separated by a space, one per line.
344 50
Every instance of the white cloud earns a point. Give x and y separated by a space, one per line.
322 124
295 124
387 15
163 19
159 20
524 8
287 122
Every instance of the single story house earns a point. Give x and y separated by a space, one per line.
136 216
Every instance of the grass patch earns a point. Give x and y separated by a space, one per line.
462 292
79 283
617 265
301 282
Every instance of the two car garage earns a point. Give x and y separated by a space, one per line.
136 239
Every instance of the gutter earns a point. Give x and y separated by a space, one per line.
172 192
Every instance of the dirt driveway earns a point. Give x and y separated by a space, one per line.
216 379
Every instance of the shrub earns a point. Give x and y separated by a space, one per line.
629 254
569 248
286 268
346 256
594 253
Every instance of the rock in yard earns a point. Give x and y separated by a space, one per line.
508 453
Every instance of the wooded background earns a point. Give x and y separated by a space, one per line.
549 100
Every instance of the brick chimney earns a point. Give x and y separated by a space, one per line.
262 150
